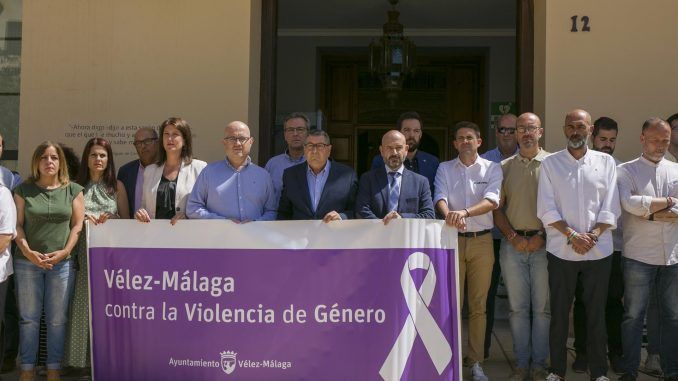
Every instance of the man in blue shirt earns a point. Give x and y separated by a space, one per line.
234 188
295 128
410 124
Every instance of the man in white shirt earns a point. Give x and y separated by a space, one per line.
648 189
466 192
604 139
578 204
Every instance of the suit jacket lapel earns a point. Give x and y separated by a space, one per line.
331 177
301 177
405 180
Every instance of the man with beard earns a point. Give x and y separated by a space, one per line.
467 190
410 124
507 146
523 256
648 189
393 191
295 129
319 188
604 135
578 204
132 173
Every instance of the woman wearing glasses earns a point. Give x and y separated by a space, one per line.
168 183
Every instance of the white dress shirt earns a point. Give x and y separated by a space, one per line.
7 226
582 193
640 180
462 187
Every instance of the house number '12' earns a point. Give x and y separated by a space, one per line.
585 21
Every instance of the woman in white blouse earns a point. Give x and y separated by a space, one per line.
168 183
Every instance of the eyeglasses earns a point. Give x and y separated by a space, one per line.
312 147
524 129
145 142
462 139
506 130
298 130
580 127
233 139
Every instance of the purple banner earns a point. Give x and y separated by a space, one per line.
253 314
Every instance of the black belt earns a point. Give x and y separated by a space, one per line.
527 233
474 234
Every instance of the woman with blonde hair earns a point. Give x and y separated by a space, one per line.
50 214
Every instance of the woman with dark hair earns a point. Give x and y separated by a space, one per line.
50 213
105 198
168 183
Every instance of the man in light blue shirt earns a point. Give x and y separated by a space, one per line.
234 188
295 127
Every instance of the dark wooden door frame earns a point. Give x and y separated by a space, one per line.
269 42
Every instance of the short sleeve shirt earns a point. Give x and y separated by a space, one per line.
47 215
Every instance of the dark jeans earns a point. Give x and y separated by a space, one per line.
638 280
563 277
492 296
614 310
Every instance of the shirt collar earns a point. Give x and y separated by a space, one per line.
293 160
248 161
462 165
650 163
584 159
399 170
322 171
541 155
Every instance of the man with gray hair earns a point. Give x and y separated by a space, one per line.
295 128
648 190
319 188
578 203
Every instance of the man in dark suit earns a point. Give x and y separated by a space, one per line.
393 191
132 173
319 188
410 124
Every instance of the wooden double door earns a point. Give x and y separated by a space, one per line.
444 89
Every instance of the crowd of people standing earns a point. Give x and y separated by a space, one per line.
574 227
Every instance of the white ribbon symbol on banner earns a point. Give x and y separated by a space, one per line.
419 321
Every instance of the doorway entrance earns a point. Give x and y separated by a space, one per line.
446 88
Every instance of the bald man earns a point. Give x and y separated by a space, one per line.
234 188
522 254
578 204
393 191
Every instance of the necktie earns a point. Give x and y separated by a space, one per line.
393 191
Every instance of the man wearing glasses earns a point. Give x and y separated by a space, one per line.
132 173
393 191
578 204
234 188
507 146
319 188
295 129
466 191
523 256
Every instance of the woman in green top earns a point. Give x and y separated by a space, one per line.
105 198
50 214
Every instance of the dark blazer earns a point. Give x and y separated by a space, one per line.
415 195
338 194
127 174
427 163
